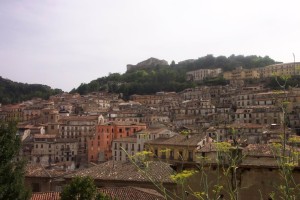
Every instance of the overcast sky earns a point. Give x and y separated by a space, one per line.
62 43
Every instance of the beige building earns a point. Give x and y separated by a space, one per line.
179 150
227 75
201 74
252 74
241 74
129 146
80 128
259 115
48 149
282 69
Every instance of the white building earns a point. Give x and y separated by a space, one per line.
122 148
201 74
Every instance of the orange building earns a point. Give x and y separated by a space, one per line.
99 146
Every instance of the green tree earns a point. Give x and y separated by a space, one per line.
82 188
11 169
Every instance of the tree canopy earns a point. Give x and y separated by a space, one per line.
152 79
14 92
11 169
82 188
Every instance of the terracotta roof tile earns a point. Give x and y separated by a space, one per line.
130 193
127 171
45 196
258 149
120 193
37 170
179 140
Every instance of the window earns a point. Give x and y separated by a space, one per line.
180 157
171 154
156 152
41 145
190 156
36 187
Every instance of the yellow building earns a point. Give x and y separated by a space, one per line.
227 75
282 69
177 149
251 74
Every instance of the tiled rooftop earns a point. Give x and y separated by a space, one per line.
45 196
37 170
131 193
120 193
127 171
179 140
258 149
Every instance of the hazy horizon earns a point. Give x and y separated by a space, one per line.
65 43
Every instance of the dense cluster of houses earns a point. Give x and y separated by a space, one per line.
99 133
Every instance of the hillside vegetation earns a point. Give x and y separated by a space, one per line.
14 92
151 79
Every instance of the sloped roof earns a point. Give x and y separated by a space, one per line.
127 171
258 150
179 140
45 196
37 170
129 193
120 193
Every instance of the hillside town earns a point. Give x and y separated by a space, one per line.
100 133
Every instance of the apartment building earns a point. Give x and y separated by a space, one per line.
48 149
201 74
239 74
259 115
100 145
122 148
156 99
282 69
13 112
178 149
80 128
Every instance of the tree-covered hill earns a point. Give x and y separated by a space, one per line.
14 92
226 63
155 78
